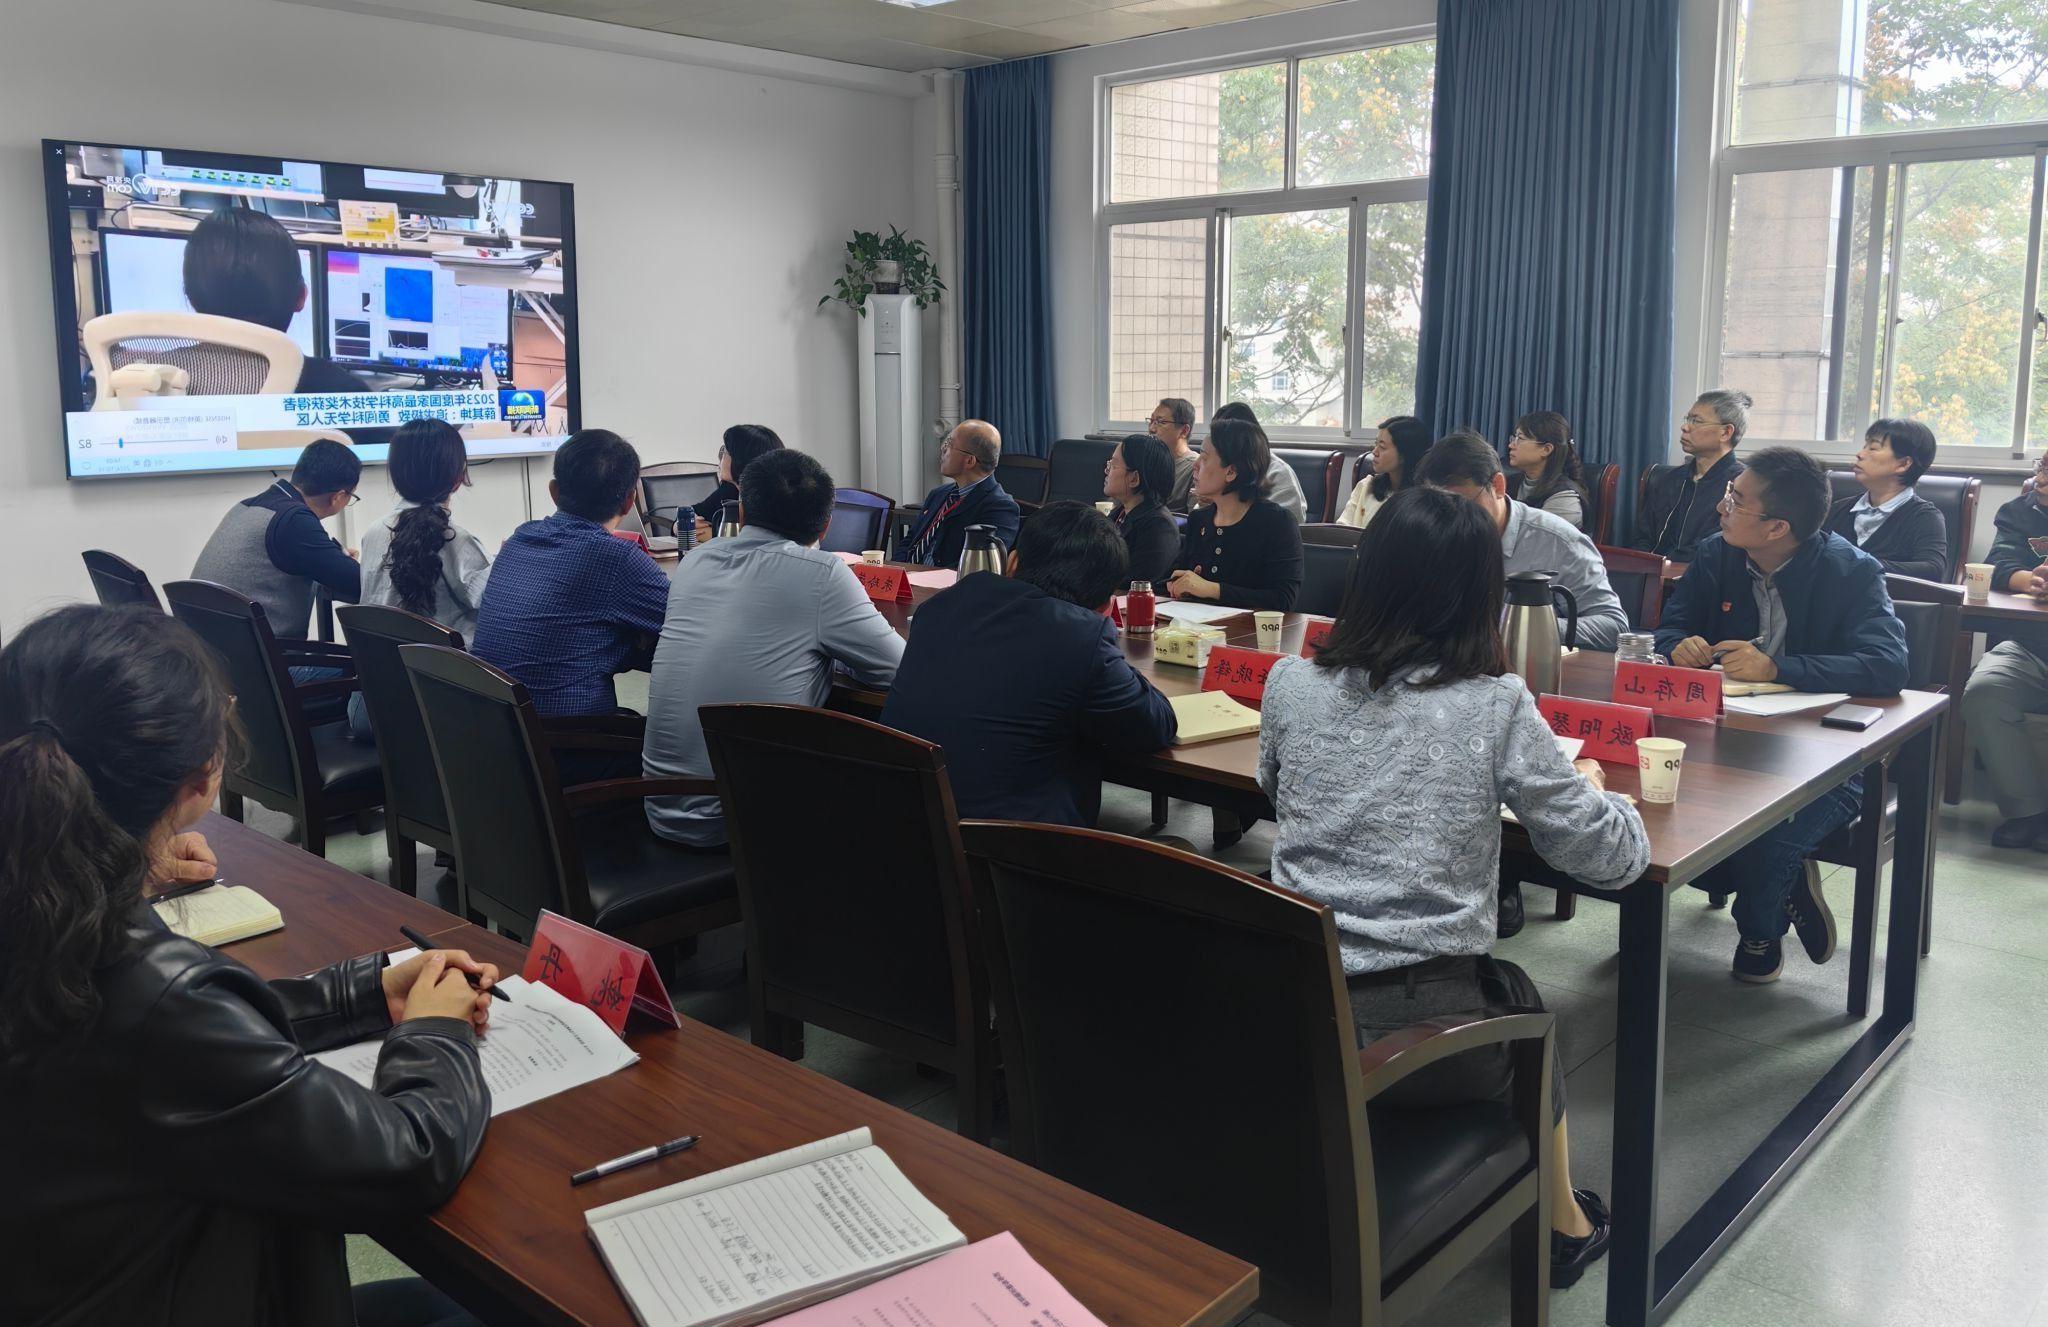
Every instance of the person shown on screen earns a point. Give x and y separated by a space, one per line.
1402 443
273 548
241 263
1387 758
760 617
1678 508
1280 484
1021 679
1239 548
1776 598
970 496
1546 468
1137 478
177 1157
741 444
1889 519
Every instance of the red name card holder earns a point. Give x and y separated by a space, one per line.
1313 633
1609 732
885 585
1676 693
1239 674
593 969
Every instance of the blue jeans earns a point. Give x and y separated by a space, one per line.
1762 874
359 720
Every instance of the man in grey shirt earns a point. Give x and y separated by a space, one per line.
1531 539
760 616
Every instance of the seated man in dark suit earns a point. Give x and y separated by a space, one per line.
1890 520
970 496
1021 679
1775 598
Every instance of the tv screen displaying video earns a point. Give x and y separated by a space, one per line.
218 312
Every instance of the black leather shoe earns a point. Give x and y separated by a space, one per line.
2024 832
1570 1257
1811 917
1508 916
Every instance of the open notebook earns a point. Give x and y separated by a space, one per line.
754 1241
220 914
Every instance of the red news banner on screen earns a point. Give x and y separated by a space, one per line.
1609 732
593 969
885 585
1676 693
1239 674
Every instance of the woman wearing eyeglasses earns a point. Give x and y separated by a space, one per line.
1546 467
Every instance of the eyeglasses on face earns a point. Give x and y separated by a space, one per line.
1732 507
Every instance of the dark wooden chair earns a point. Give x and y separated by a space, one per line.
1074 469
1604 483
413 810
860 521
1328 554
118 581
524 843
1956 496
1024 477
1638 581
872 944
1320 472
1239 1110
312 771
669 486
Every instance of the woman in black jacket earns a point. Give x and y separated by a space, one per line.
740 445
1890 520
177 1158
1238 549
1137 479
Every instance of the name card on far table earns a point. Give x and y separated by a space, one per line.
1609 732
1676 693
885 585
1313 633
1239 674
593 969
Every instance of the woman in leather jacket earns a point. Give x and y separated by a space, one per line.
176 1157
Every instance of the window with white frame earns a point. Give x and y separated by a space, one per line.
1261 237
1882 181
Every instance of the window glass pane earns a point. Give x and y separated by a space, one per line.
1779 298
1285 313
1826 68
1222 132
1157 280
1364 115
1962 272
1390 310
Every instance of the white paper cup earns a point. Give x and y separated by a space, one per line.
1105 507
1657 762
1976 581
874 557
1268 625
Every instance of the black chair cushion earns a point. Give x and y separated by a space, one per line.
346 765
637 876
1433 1168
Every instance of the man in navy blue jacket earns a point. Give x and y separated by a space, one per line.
1021 680
1775 598
970 496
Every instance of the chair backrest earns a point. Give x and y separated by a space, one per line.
500 788
1361 468
1074 469
1024 477
1932 614
412 793
215 356
1605 483
1328 554
860 521
1955 496
239 632
1638 581
863 911
1319 470
672 484
118 581
1229 1108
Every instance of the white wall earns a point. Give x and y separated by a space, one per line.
711 207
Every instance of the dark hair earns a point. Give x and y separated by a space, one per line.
1730 407
1411 444
427 463
1183 411
1561 469
1072 552
595 472
1146 457
1908 438
1241 445
104 714
789 493
1236 410
242 264
1392 620
326 466
743 443
1462 457
1795 489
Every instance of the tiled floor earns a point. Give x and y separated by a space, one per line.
1927 1205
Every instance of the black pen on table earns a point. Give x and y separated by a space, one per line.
616 1164
1758 643
426 944
182 890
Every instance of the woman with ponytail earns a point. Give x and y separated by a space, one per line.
1543 467
177 1158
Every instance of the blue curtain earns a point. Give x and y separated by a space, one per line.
1547 267
1006 292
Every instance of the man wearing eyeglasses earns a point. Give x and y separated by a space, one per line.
2011 681
1678 500
1775 597
970 495
1173 423
273 548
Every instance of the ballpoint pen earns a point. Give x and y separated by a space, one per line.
425 944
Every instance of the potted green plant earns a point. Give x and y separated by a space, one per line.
886 265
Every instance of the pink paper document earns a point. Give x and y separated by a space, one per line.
994 1282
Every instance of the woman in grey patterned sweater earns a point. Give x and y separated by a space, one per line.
1387 758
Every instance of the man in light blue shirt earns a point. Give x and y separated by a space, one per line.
761 616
